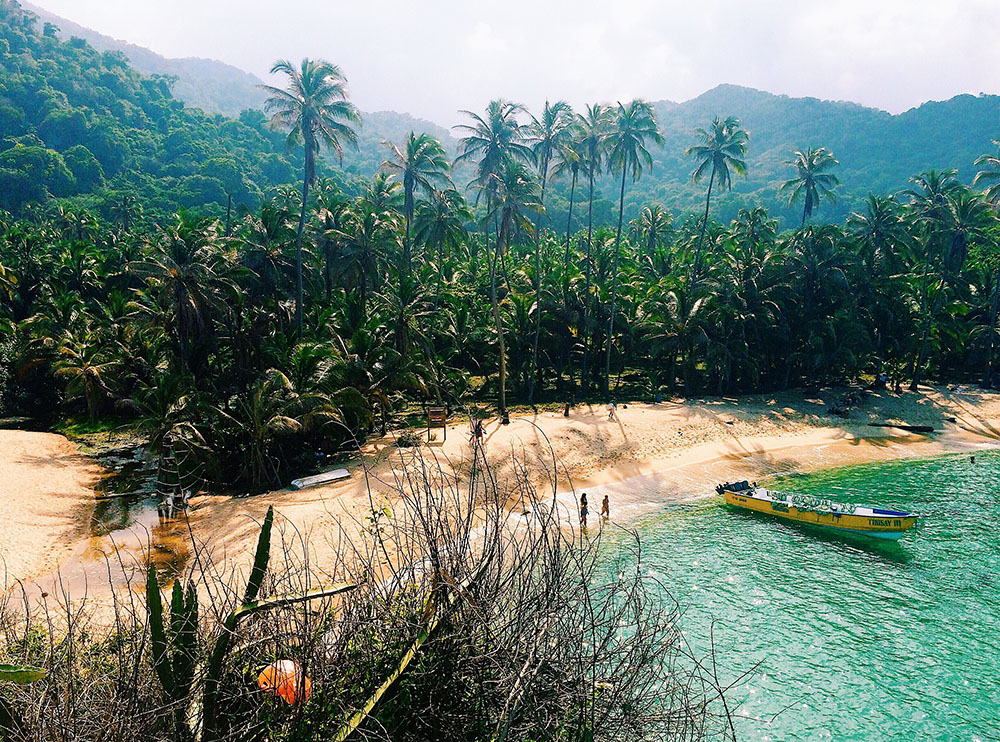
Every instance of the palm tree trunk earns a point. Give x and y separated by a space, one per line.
585 371
538 292
502 402
440 278
614 285
704 226
569 226
928 314
363 280
328 272
180 300
298 241
408 248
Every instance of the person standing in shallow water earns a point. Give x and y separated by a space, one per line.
605 508
583 510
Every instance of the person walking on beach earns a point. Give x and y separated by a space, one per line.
611 410
605 508
583 510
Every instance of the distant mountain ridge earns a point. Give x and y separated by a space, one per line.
213 86
878 151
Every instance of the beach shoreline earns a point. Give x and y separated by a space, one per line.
680 448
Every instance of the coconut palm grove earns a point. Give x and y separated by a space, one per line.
226 287
136 283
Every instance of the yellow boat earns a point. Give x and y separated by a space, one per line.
876 522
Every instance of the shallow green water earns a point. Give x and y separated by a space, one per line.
857 640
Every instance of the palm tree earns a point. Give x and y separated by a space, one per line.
516 194
568 160
367 230
256 421
493 139
332 209
497 140
811 181
720 153
592 127
422 164
932 200
315 110
439 224
633 125
991 174
87 370
548 135
185 273
653 225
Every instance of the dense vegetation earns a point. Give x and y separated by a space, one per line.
308 321
78 123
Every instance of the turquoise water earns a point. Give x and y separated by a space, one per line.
856 639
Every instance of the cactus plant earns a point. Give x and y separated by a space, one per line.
19 675
174 642
225 637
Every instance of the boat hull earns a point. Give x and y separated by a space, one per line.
876 526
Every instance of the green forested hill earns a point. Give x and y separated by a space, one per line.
140 133
213 86
878 152
76 122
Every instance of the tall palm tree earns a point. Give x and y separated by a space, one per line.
991 174
633 126
492 140
811 181
592 126
720 154
547 135
568 160
423 165
515 194
497 141
315 110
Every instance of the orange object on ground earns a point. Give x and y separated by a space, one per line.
284 679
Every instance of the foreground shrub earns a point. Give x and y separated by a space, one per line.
467 612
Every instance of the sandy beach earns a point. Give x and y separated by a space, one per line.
679 448
46 501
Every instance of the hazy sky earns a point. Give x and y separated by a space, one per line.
432 58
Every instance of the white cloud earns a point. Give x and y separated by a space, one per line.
433 58
484 40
